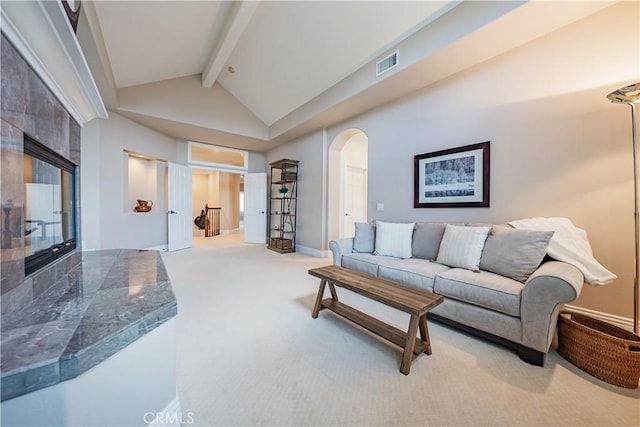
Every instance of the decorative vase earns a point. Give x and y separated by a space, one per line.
143 206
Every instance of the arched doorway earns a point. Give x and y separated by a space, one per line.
348 166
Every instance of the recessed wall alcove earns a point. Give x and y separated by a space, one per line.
146 180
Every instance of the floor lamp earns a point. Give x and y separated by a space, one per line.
630 95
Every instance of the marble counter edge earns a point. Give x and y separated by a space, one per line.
73 363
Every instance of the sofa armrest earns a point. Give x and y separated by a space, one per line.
551 285
339 247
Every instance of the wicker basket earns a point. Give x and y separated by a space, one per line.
607 352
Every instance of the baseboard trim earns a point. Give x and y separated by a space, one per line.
161 248
622 322
312 252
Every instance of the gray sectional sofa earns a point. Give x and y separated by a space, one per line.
511 295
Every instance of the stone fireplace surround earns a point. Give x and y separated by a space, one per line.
83 308
28 106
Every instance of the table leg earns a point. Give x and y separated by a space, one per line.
407 356
424 333
316 307
332 288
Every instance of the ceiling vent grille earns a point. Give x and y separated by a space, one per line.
387 63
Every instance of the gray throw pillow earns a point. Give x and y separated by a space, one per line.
426 239
365 238
514 253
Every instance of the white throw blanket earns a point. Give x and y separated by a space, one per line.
569 244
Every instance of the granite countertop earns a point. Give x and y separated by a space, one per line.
108 301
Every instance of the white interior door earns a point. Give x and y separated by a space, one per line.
179 215
355 199
255 208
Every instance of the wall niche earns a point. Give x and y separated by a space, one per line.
146 184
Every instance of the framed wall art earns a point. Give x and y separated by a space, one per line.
457 177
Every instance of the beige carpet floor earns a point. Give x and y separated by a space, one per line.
249 353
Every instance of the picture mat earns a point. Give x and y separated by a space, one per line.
474 186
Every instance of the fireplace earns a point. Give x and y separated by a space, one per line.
39 216
49 206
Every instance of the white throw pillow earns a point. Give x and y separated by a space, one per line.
394 239
462 246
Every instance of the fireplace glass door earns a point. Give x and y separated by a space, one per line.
49 210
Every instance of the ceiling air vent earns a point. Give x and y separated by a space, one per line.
387 63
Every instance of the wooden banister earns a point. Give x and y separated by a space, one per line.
212 223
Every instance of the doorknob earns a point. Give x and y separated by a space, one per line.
173 212
262 212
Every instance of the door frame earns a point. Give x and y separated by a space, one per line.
203 166
336 160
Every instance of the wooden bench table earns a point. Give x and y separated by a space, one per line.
416 302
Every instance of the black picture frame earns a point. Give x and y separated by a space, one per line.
453 178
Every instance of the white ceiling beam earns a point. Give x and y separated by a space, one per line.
239 18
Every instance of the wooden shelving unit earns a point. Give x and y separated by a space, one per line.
283 206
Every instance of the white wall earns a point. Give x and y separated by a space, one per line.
90 185
310 222
229 191
184 100
127 389
257 162
558 146
354 152
107 219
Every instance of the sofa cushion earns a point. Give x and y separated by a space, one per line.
484 289
365 237
462 246
394 239
514 253
426 239
366 263
413 271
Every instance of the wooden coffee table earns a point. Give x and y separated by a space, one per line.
416 302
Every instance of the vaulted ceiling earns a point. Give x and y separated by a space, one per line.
254 74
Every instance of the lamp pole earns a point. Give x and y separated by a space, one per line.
630 95
636 272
